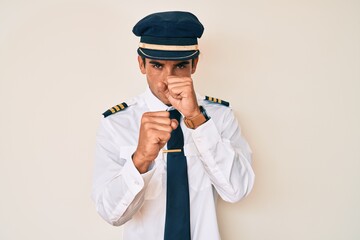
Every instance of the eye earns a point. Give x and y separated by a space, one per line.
181 66
157 66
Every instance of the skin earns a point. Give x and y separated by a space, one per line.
171 83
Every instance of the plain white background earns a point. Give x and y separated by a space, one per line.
291 70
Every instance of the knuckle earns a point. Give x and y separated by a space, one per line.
167 121
168 129
144 118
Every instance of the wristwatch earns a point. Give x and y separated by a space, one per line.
197 120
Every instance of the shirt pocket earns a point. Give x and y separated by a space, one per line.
198 179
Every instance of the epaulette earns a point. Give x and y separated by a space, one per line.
217 100
115 109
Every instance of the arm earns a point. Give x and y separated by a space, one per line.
122 173
225 155
118 187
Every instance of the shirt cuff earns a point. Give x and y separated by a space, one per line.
206 136
135 180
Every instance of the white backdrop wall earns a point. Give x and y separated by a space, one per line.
291 70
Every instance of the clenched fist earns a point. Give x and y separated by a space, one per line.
181 95
155 131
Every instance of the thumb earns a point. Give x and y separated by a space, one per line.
174 124
163 87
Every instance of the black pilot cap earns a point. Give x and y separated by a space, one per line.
169 35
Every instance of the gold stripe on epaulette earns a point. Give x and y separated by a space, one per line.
115 109
217 100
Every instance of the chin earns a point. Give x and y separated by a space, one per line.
165 100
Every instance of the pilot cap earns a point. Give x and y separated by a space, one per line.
169 35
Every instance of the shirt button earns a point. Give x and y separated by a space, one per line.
124 203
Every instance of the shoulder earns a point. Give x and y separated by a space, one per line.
117 108
121 120
123 107
217 108
219 111
213 101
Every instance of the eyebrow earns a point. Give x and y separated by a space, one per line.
183 63
156 62
161 64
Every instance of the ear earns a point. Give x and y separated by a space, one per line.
142 65
194 65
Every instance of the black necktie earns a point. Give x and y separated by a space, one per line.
177 223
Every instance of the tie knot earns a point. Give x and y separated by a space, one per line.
175 114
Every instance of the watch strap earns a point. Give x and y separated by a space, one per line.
197 120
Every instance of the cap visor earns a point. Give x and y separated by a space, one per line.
168 55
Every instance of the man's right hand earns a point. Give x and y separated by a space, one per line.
155 131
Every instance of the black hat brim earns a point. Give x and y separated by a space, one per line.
168 55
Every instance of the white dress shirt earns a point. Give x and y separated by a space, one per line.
219 163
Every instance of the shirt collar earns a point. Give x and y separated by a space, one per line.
153 103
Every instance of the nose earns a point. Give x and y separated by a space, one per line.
169 71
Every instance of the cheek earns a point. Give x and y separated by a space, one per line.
156 77
186 72
156 83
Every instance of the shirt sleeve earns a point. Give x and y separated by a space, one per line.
118 187
226 156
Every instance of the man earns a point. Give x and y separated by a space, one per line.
164 157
